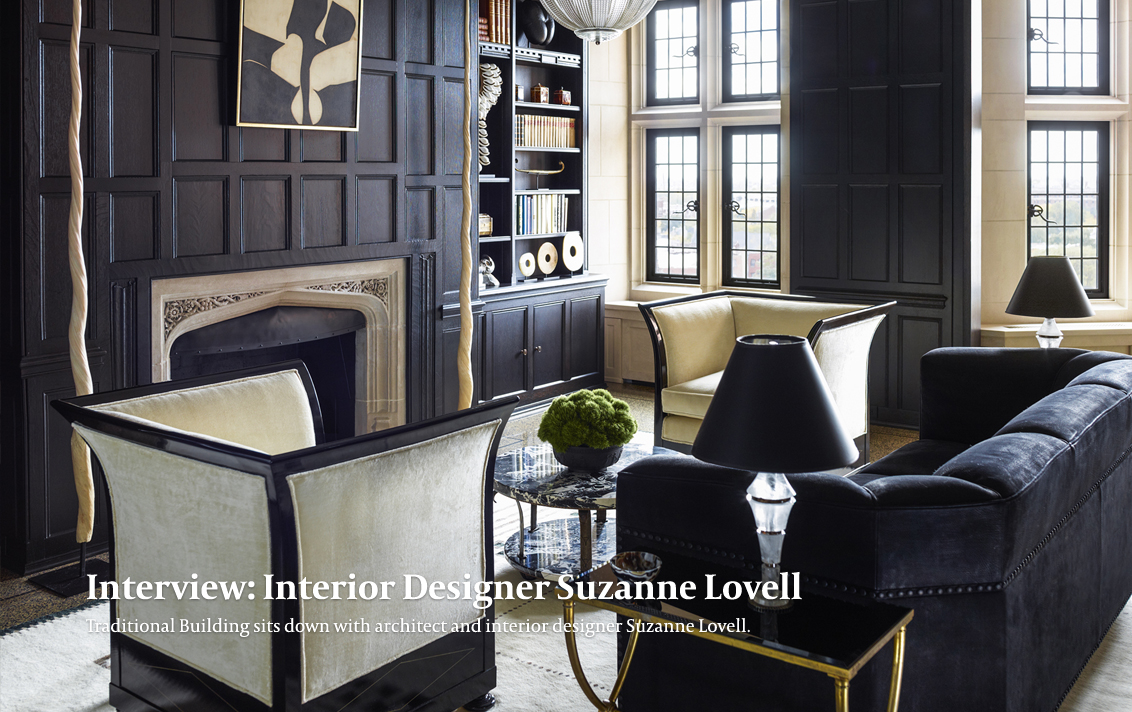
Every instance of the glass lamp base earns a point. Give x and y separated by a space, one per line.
761 602
1049 335
770 605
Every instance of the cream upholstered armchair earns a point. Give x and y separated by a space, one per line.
221 478
693 337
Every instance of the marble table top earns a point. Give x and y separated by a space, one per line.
532 475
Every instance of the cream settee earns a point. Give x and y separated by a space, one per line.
693 337
223 479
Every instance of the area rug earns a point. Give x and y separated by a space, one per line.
40 660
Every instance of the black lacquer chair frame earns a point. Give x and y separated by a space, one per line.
446 673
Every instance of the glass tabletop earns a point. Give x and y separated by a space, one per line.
817 632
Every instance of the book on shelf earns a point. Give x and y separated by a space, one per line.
542 214
495 21
533 131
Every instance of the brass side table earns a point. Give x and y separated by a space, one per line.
793 637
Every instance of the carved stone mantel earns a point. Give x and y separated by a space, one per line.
375 288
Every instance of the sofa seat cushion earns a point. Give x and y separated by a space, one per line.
922 457
691 398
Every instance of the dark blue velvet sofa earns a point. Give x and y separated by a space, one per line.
1008 527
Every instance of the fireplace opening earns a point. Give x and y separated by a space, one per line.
325 339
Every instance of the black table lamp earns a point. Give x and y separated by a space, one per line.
772 413
1049 288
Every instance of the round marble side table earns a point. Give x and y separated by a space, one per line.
563 546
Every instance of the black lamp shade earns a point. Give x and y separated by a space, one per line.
1049 288
773 412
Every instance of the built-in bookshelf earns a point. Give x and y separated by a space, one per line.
529 210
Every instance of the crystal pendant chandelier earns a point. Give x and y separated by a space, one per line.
598 20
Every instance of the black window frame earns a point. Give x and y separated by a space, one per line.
726 50
1103 197
651 274
729 132
1103 61
650 49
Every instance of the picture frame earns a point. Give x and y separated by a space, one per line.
299 64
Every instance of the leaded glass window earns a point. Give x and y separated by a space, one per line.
1068 195
750 50
1068 46
673 53
751 206
672 186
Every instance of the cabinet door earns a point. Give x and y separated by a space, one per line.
508 351
549 320
586 323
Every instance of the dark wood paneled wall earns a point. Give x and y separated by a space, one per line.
880 130
174 188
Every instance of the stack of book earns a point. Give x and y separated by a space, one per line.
496 14
542 214
544 131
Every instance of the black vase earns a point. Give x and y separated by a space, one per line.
535 22
588 459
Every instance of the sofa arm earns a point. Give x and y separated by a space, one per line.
677 504
967 394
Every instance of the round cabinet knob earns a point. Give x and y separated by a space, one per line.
523 352
538 349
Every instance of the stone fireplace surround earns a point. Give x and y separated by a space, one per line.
375 288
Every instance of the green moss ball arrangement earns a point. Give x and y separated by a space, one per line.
587 418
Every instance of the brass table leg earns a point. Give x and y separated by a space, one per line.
841 694
587 542
576 663
897 670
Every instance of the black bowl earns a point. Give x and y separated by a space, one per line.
588 459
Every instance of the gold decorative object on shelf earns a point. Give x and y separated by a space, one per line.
543 171
547 257
540 94
573 251
562 97
527 264
486 224
538 173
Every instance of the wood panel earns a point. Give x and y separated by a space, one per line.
133 16
378 37
324 212
264 144
377 199
549 319
133 117
55 293
377 137
586 321
133 226
56 115
201 207
176 189
200 90
200 19
881 115
266 203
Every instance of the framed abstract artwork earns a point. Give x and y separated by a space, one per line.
299 64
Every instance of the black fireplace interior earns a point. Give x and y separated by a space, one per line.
323 338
